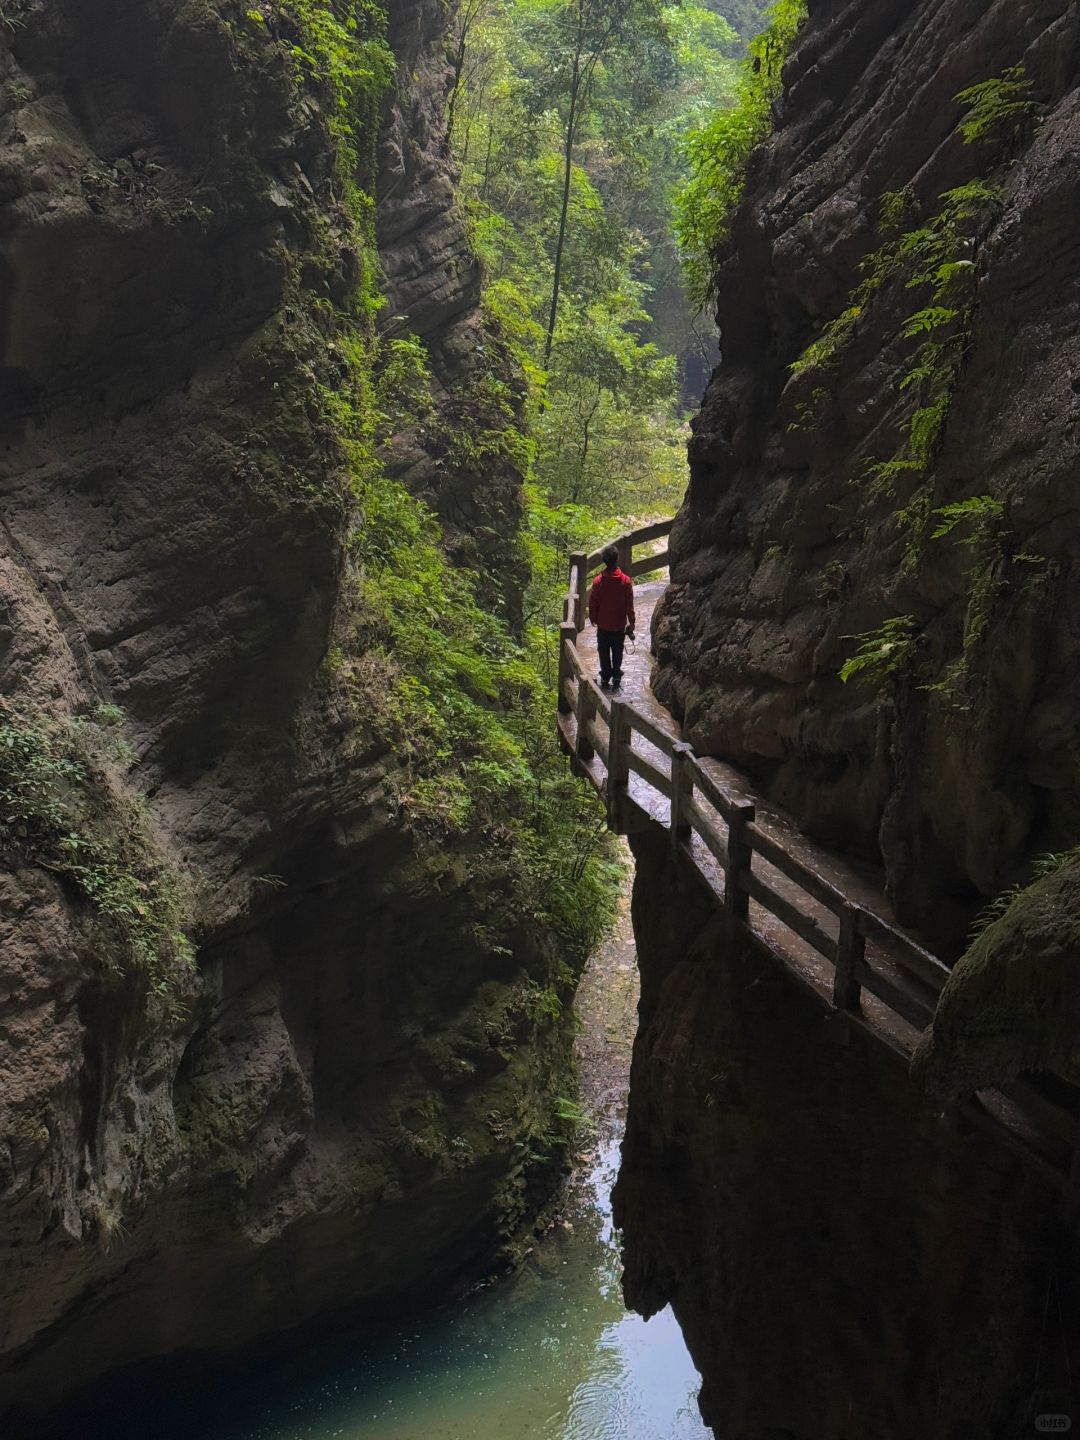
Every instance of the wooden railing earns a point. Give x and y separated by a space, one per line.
844 950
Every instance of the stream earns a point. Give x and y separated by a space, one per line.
550 1353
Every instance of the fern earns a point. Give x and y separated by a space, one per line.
1002 103
927 426
951 271
930 366
823 350
882 652
883 474
982 509
967 202
913 519
925 321
896 208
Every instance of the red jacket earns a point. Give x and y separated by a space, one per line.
611 600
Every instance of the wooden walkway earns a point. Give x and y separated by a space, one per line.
826 925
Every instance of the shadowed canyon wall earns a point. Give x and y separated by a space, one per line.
844 1263
344 1100
899 319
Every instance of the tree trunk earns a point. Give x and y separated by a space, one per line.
568 164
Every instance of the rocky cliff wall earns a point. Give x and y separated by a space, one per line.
815 494
463 458
340 1101
844 1265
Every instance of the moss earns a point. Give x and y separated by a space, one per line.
62 808
1012 1004
214 1129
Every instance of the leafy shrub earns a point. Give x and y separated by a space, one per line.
344 50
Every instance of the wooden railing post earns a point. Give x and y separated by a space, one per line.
740 856
579 561
586 710
850 950
682 789
618 775
567 641
625 544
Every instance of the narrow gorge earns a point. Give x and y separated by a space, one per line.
329 333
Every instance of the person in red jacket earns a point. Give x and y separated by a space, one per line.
611 610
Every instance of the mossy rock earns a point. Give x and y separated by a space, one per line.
1012 1004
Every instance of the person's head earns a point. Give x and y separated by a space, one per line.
610 556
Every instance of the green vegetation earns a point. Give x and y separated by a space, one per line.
568 118
884 652
933 254
997 106
62 809
983 528
419 659
982 512
720 150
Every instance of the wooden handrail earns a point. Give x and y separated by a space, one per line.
648 564
768 875
652 732
658 531
626 544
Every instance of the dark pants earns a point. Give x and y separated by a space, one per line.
610 645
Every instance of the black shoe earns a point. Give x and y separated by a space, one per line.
604 683
616 682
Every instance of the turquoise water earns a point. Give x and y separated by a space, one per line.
548 1354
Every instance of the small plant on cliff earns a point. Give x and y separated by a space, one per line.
980 511
984 529
12 18
403 385
997 108
720 151
882 652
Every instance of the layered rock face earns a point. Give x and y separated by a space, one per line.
813 501
431 279
843 1264
323 1111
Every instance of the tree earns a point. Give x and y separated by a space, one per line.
467 17
592 29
